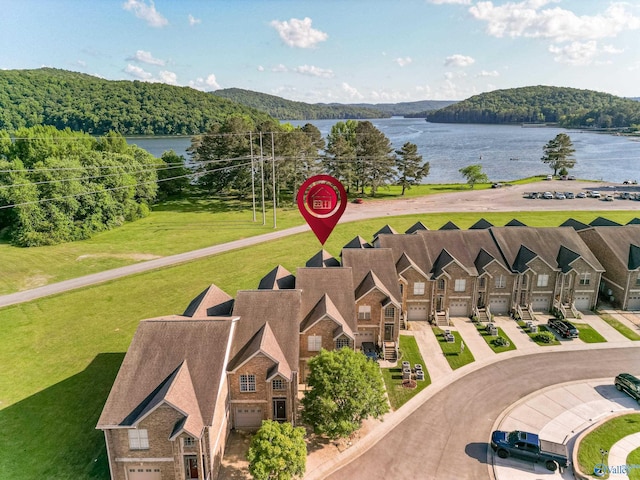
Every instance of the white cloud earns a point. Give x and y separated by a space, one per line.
193 20
142 56
351 92
403 61
528 19
138 73
450 2
260 68
208 84
168 77
314 71
148 13
454 75
484 73
458 61
299 33
279 68
581 53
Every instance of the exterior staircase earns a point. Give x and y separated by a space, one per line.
442 319
526 314
390 352
483 316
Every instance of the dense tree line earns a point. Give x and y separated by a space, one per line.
284 109
59 186
81 102
567 107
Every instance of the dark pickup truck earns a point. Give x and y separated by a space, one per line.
528 446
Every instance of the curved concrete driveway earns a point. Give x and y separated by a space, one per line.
446 436
503 199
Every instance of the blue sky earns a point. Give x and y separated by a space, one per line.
345 51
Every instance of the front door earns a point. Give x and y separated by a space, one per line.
280 409
480 299
388 332
191 464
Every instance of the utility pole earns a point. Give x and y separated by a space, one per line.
273 178
253 179
264 213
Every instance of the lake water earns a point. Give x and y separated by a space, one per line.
506 152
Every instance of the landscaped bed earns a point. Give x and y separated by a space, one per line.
547 337
397 393
494 341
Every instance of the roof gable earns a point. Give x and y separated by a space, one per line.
358 242
325 308
211 302
371 282
524 256
322 259
634 257
481 224
449 226
565 258
416 227
514 223
277 279
604 222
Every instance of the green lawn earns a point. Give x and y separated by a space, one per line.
620 327
452 351
178 226
491 339
634 459
541 328
604 437
587 334
399 395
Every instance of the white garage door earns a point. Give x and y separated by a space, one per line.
458 309
540 304
365 336
417 313
144 473
499 306
582 302
634 302
248 417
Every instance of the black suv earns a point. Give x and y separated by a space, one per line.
630 384
565 329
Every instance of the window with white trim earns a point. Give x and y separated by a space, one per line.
585 278
314 343
441 284
248 383
501 281
138 439
342 342
389 312
482 282
460 285
189 441
543 280
277 384
418 288
364 312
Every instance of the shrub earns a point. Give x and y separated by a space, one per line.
500 342
544 337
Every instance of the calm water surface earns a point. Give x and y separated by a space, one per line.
506 152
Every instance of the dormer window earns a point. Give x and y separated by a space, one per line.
189 442
278 384
441 284
342 342
389 312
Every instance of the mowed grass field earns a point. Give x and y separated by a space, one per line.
60 354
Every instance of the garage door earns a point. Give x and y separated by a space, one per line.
634 302
365 336
540 304
499 306
144 473
248 417
458 309
417 313
582 302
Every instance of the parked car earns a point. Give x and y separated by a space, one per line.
569 195
528 446
625 382
358 200
595 194
608 198
581 195
571 177
549 177
565 329
547 195
560 196
369 350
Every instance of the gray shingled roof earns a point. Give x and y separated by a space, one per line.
412 244
634 221
322 259
514 223
280 308
620 242
337 283
604 222
155 369
386 230
565 258
212 302
277 279
377 260
358 242
416 227
372 282
449 226
325 308
575 224
481 224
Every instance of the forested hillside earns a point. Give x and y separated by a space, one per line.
408 109
568 107
81 102
284 109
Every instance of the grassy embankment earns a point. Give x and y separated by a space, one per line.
60 354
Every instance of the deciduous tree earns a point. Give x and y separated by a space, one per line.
474 174
277 452
346 388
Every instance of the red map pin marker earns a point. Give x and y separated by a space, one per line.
322 200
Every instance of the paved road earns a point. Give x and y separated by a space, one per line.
503 199
446 437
